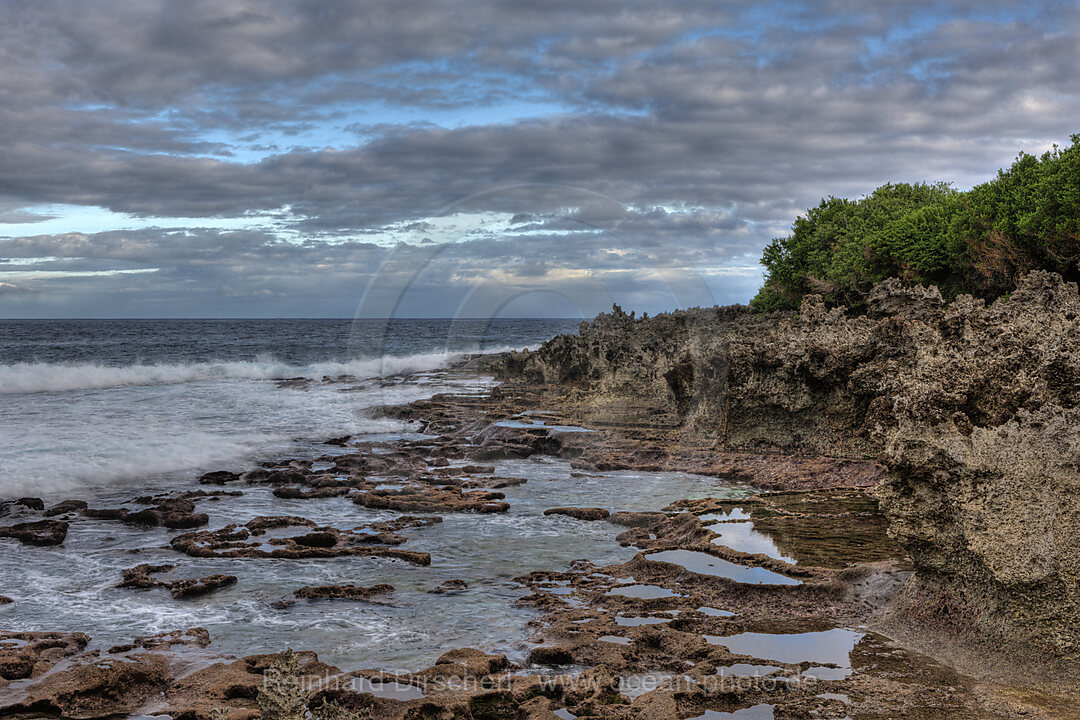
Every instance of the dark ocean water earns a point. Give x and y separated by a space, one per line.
98 402
290 342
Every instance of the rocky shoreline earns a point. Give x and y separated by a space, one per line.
971 411
906 517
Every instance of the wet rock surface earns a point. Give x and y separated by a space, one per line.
9 507
65 506
310 541
141 577
28 654
41 532
433 500
970 410
450 587
342 592
580 513
779 601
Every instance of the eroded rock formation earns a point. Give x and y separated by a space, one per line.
973 410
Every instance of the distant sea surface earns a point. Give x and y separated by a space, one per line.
99 403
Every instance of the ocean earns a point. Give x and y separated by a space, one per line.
88 403
106 411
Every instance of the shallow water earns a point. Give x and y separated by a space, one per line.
634 686
704 564
73 587
100 403
740 535
644 592
828 647
715 612
733 513
638 621
757 712
746 670
391 690
615 639
527 423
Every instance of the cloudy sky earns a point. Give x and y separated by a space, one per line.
232 158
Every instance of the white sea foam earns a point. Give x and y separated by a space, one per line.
118 454
58 377
68 427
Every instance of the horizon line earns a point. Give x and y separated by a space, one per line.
50 319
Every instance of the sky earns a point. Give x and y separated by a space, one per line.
343 158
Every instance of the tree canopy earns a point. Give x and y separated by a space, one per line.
978 242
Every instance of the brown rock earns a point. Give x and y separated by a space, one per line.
196 637
98 688
106 513
219 477
200 586
477 469
342 592
972 409
636 519
580 513
65 506
450 587
504 482
36 652
324 539
261 524
291 492
474 663
434 499
41 532
551 656
140 577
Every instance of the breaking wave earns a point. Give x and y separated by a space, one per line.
59 377
145 454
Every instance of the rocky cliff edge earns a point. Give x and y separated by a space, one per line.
973 410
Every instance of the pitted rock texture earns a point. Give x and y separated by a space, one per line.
342 592
580 513
42 532
140 577
972 409
310 541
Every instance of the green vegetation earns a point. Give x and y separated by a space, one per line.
976 242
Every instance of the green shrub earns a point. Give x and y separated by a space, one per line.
977 242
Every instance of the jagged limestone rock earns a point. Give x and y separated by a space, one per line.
329 710
974 411
281 695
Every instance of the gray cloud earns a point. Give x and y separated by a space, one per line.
676 136
250 273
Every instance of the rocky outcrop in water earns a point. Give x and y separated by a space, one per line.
973 410
141 577
580 513
342 592
42 532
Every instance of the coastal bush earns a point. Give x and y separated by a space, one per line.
979 241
